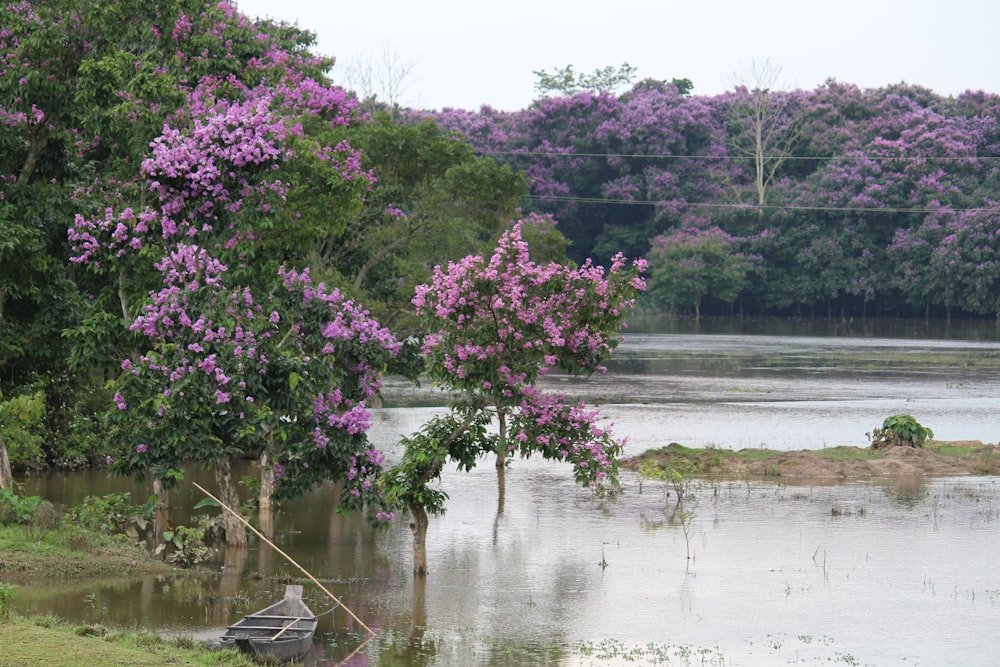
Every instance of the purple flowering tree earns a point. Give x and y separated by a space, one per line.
237 352
282 376
494 326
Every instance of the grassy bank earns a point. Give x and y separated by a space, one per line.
45 641
28 551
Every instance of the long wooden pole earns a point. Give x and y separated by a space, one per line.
287 557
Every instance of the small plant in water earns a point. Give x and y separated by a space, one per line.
900 430
184 546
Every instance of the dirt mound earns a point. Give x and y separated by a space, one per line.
898 461
843 464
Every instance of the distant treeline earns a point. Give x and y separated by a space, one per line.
831 201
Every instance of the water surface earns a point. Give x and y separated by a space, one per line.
872 573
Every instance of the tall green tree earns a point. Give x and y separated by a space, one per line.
236 352
84 88
694 263
434 199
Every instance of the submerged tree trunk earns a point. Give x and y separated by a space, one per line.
6 475
419 528
236 532
161 512
266 482
501 488
502 441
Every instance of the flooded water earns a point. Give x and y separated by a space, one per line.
742 574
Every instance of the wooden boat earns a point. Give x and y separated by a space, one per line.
283 631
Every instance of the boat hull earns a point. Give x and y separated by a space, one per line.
283 631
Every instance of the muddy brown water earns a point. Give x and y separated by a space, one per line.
745 573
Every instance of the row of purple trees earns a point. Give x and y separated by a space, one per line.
831 200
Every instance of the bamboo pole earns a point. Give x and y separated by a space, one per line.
287 557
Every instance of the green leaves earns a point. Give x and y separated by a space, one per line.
900 430
565 81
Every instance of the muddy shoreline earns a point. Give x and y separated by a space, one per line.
829 466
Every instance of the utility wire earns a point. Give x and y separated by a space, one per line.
766 207
826 158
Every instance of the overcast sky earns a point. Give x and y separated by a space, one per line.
464 53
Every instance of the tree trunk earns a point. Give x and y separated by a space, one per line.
502 442
236 532
501 495
501 488
419 528
266 482
6 476
161 515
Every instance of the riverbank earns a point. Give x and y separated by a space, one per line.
830 465
28 552
44 641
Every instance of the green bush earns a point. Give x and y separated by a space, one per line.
15 510
21 426
184 546
900 430
114 514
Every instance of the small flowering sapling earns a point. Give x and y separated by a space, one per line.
231 373
494 327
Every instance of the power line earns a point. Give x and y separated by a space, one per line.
827 158
766 207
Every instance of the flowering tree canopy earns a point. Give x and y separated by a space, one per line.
494 326
230 373
238 353
838 178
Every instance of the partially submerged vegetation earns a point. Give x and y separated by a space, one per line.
828 465
29 551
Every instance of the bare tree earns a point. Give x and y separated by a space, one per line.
379 78
765 123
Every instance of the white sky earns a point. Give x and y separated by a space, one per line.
465 53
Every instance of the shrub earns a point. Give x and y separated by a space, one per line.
6 595
114 514
21 426
184 546
900 430
17 510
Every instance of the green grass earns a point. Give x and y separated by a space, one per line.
45 641
851 453
756 454
71 552
984 463
949 449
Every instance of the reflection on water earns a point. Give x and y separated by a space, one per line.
872 573
778 573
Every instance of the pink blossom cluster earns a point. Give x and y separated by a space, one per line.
211 174
498 324
520 318
568 432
